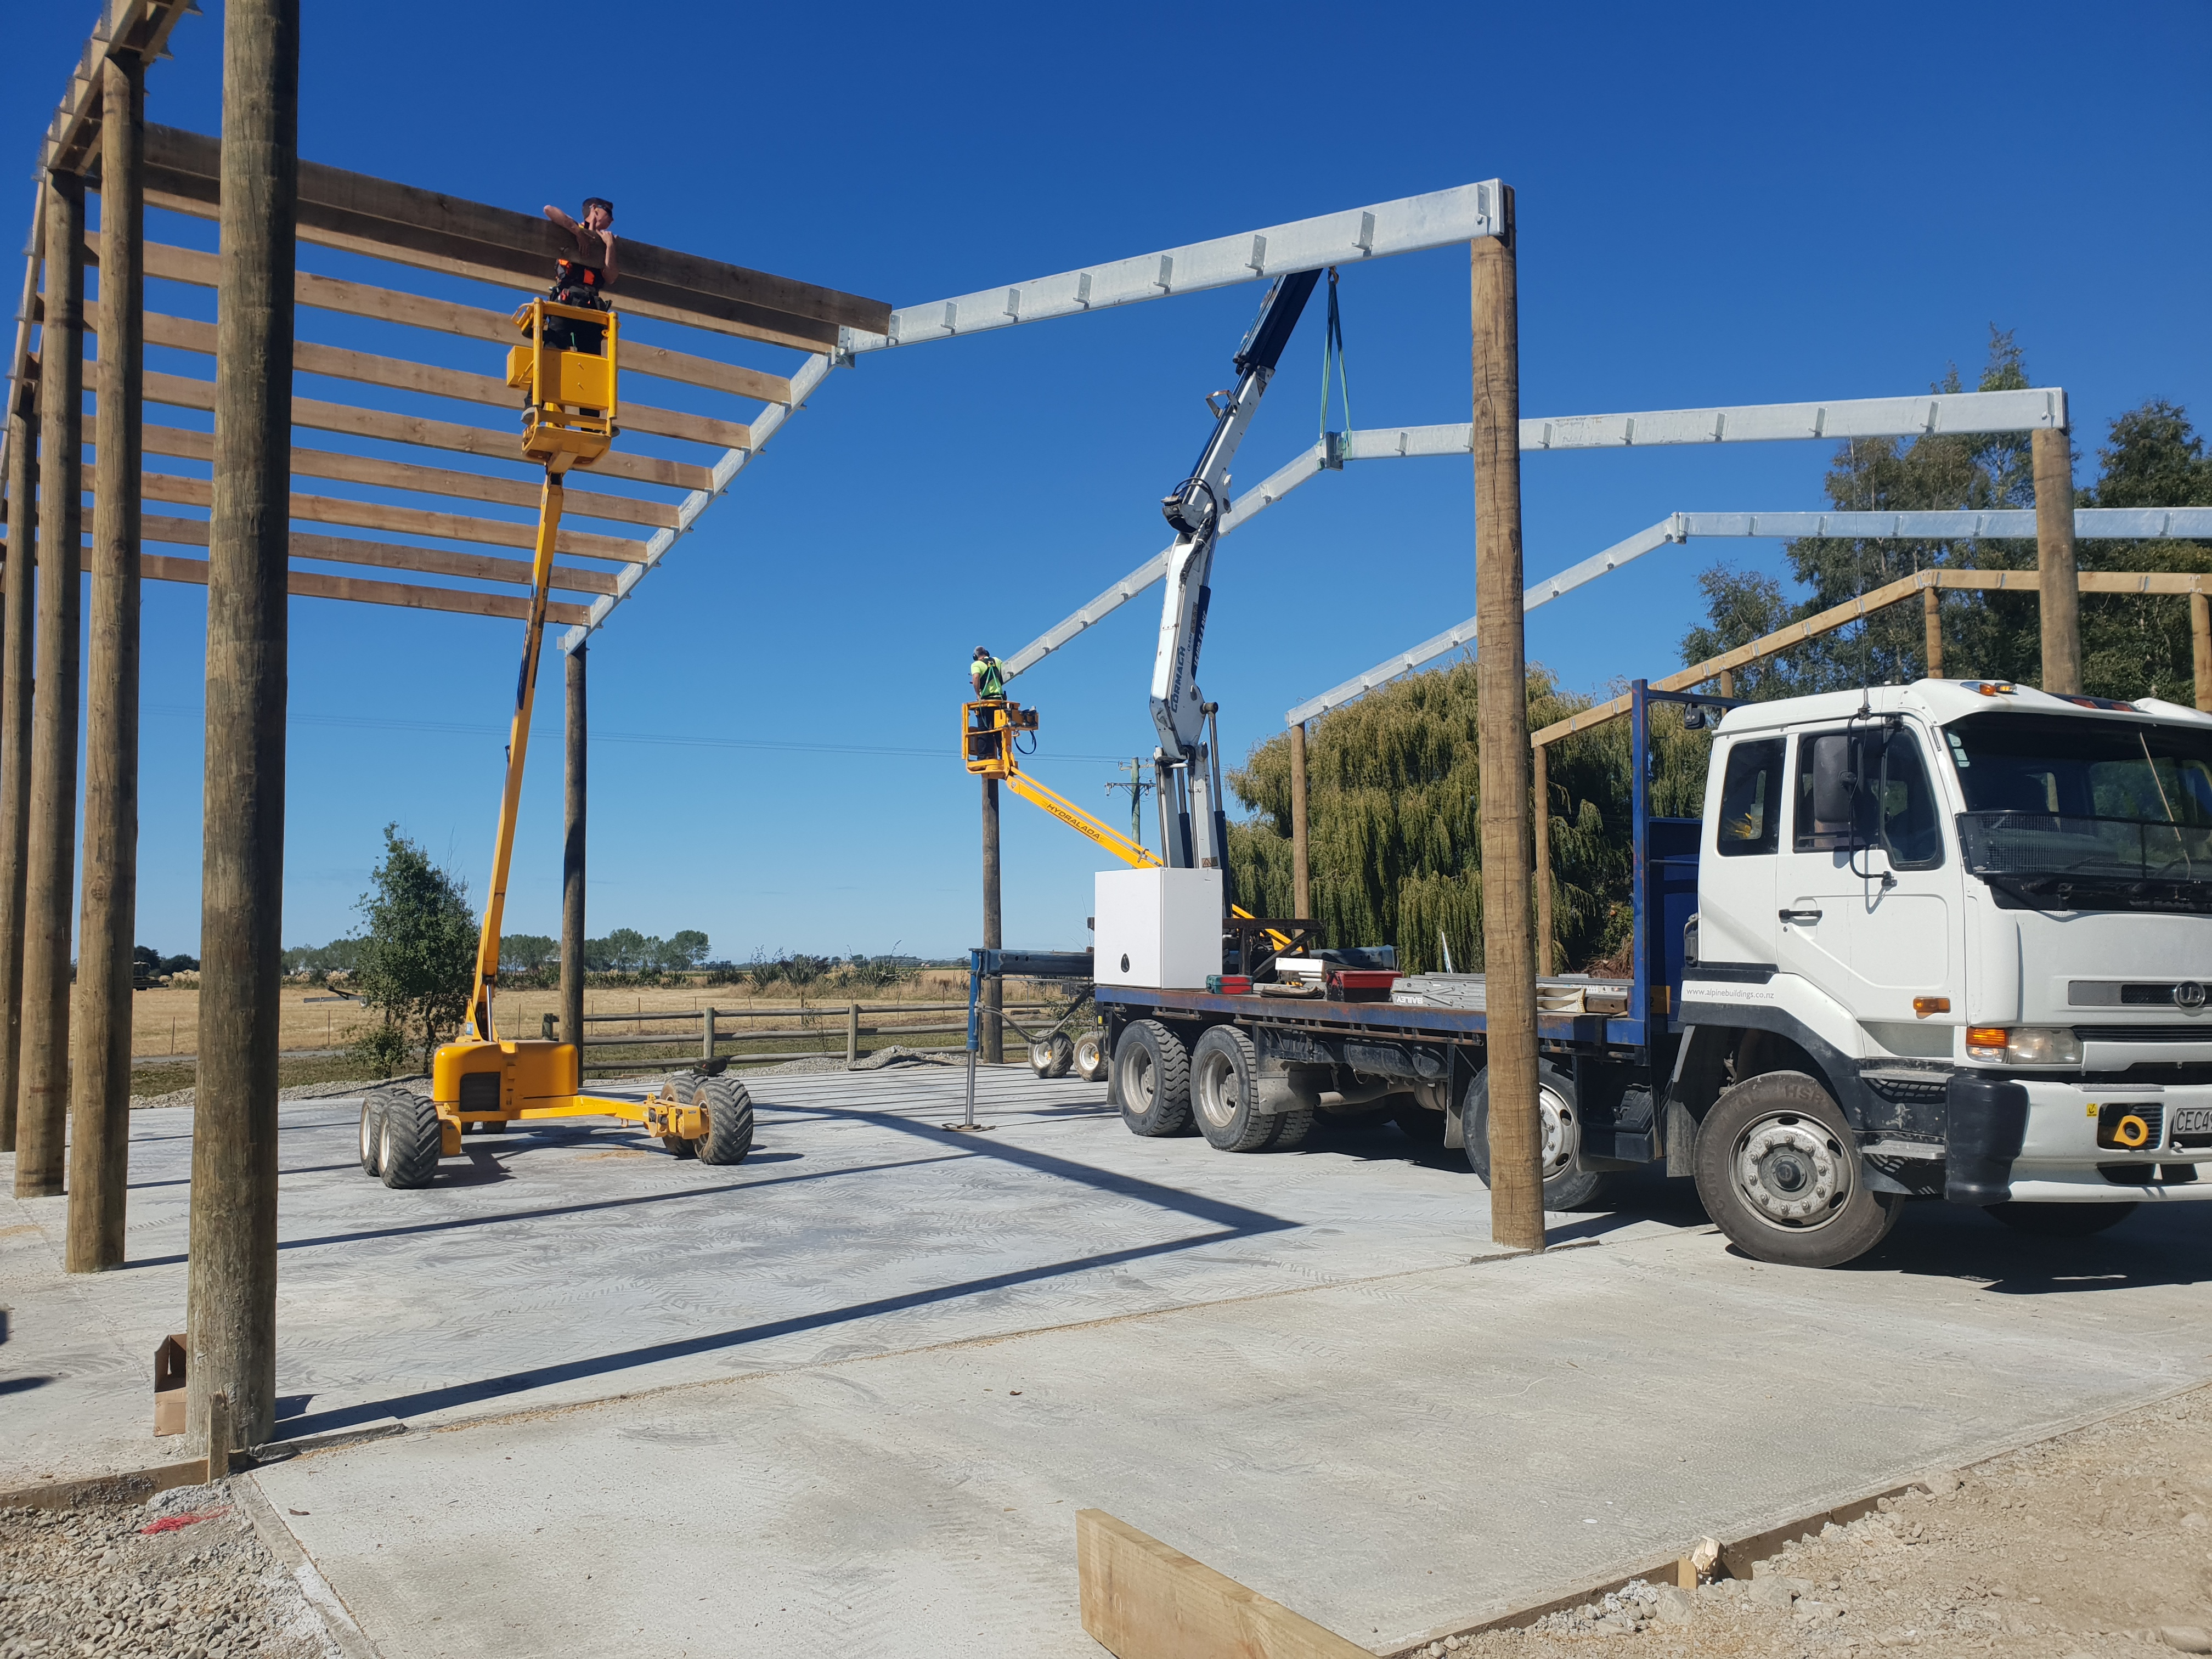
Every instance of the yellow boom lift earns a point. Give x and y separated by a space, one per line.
482 1079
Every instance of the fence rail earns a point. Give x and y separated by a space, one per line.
706 1031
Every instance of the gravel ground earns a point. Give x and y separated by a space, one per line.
303 1091
2096 1543
95 1580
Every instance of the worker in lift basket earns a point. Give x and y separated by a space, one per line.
987 675
575 282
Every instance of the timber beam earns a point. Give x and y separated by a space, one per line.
140 27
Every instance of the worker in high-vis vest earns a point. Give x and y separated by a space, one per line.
988 676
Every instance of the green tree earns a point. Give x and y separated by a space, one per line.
624 949
418 957
2135 645
1393 794
681 951
525 953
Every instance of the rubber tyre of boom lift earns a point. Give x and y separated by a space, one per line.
1224 1070
1091 1056
729 1108
371 1131
2060 1220
412 1140
1151 1080
1565 1187
1051 1056
1420 1126
1762 1142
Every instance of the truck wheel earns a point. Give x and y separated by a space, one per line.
1051 1056
2060 1220
1223 1068
1151 1080
1090 1057
372 1132
1421 1126
1777 1167
1565 1187
411 1142
1291 1129
729 1110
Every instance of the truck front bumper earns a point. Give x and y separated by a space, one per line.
2061 1161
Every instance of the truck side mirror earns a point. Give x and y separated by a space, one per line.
1834 786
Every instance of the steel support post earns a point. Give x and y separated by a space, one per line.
2200 650
1301 847
993 990
50 864
1539 789
1517 1175
572 857
1931 628
15 648
231 1308
2060 598
100 1090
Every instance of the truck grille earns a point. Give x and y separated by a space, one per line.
2199 1033
2115 993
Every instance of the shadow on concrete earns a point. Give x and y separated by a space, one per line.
503 1216
24 1384
495 1388
312 1169
2158 1244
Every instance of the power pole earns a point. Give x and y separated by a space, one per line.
1136 787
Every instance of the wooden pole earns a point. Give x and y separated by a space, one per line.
1931 627
51 862
1728 682
2060 597
16 648
992 1037
572 858
100 1134
2200 641
1540 786
231 1308
1517 1175
1301 849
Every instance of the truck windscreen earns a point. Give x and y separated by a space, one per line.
2085 813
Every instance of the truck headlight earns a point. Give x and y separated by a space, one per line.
2024 1045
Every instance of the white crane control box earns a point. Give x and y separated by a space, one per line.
1159 927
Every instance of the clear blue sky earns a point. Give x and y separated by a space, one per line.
1723 204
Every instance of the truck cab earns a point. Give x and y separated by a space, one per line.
1952 939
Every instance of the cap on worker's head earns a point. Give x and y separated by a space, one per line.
982 651
590 202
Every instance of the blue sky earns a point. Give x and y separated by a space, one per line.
1717 204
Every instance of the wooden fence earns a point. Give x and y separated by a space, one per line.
711 1028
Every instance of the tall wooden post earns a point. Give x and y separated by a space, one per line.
2060 599
100 1137
232 1283
50 864
1728 682
2199 648
1301 854
572 856
1540 786
1931 628
992 1035
1516 1174
15 648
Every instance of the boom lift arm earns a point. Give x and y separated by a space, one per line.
1188 792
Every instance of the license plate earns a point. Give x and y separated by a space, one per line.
2192 1121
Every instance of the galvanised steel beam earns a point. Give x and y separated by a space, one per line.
2030 411
2147 524
1409 225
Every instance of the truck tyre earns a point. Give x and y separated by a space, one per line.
1291 1129
1565 1187
1223 1069
1090 1057
372 1132
1777 1167
729 1109
1151 1080
1051 1056
411 1142
2060 1220
1421 1126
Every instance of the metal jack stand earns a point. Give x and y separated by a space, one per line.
968 1124
1032 964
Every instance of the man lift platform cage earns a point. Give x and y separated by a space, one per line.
481 1080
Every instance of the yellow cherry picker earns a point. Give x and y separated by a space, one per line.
481 1078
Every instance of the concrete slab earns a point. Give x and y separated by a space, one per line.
921 1352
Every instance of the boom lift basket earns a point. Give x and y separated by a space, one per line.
570 417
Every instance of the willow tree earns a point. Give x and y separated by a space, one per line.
1393 794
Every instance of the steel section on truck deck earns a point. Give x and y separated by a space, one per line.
1586 1030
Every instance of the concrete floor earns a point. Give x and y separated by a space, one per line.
1309 1370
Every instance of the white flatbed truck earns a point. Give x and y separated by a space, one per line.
1950 940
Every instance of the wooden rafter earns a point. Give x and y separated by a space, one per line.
312 585
391 555
138 27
